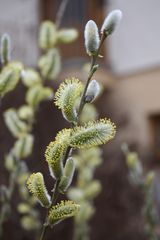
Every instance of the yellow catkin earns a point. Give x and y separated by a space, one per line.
93 133
36 186
66 97
62 210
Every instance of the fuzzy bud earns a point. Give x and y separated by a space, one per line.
50 64
149 179
76 194
37 94
26 112
17 127
111 22
5 49
37 187
30 77
86 212
10 162
132 160
47 35
9 77
91 37
92 92
92 190
29 223
23 146
67 175
23 208
67 35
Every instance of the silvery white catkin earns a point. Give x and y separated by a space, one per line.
92 92
111 22
5 48
91 37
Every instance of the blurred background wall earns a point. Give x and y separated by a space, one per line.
135 45
20 18
134 56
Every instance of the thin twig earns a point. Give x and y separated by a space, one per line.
0 101
60 13
53 200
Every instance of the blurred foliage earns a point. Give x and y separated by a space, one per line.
20 121
145 182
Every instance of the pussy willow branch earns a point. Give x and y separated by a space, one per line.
13 178
60 12
53 200
91 73
69 149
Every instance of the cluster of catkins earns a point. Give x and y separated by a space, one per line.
70 98
20 121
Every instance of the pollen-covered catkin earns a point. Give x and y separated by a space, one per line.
54 154
62 210
37 187
66 96
92 134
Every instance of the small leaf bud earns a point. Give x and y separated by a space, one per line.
92 92
111 22
91 37
67 177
